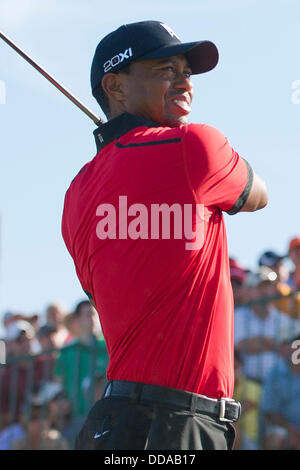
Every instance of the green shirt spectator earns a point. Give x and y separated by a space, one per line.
79 366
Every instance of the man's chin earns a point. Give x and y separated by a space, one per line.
176 121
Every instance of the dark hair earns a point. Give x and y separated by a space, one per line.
101 96
77 311
102 100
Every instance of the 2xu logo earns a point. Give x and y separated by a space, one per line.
117 59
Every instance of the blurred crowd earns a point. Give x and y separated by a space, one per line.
55 370
56 363
267 350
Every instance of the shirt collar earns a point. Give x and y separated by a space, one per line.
120 125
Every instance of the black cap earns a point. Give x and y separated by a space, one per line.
45 330
148 40
269 258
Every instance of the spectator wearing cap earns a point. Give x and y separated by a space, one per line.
81 360
257 326
38 432
294 255
280 402
19 336
22 371
273 260
10 318
47 337
289 304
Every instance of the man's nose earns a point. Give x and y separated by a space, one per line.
183 81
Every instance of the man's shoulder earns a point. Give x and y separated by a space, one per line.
204 133
142 135
197 130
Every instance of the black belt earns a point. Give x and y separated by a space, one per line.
225 409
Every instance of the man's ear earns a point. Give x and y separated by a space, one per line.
112 85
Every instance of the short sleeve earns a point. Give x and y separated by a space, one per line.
218 175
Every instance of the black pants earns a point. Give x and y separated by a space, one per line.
121 423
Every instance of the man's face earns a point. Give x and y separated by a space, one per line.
54 315
87 318
159 90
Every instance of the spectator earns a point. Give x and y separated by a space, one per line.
72 325
11 318
38 433
81 360
55 317
60 414
294 255
257 327
287 304
19 336
276 263
248 393
21 372
280 404
47 337
48 343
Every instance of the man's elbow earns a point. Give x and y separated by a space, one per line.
258 198
261 203
263 199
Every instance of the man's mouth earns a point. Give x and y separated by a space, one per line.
182 103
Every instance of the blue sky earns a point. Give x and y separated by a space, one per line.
45 139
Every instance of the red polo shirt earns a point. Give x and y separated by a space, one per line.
166 310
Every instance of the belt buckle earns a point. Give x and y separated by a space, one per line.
222 409
108 390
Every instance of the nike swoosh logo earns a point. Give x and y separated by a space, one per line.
100 434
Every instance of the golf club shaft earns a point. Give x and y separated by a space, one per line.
57 85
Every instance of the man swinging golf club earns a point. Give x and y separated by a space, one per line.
166 309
